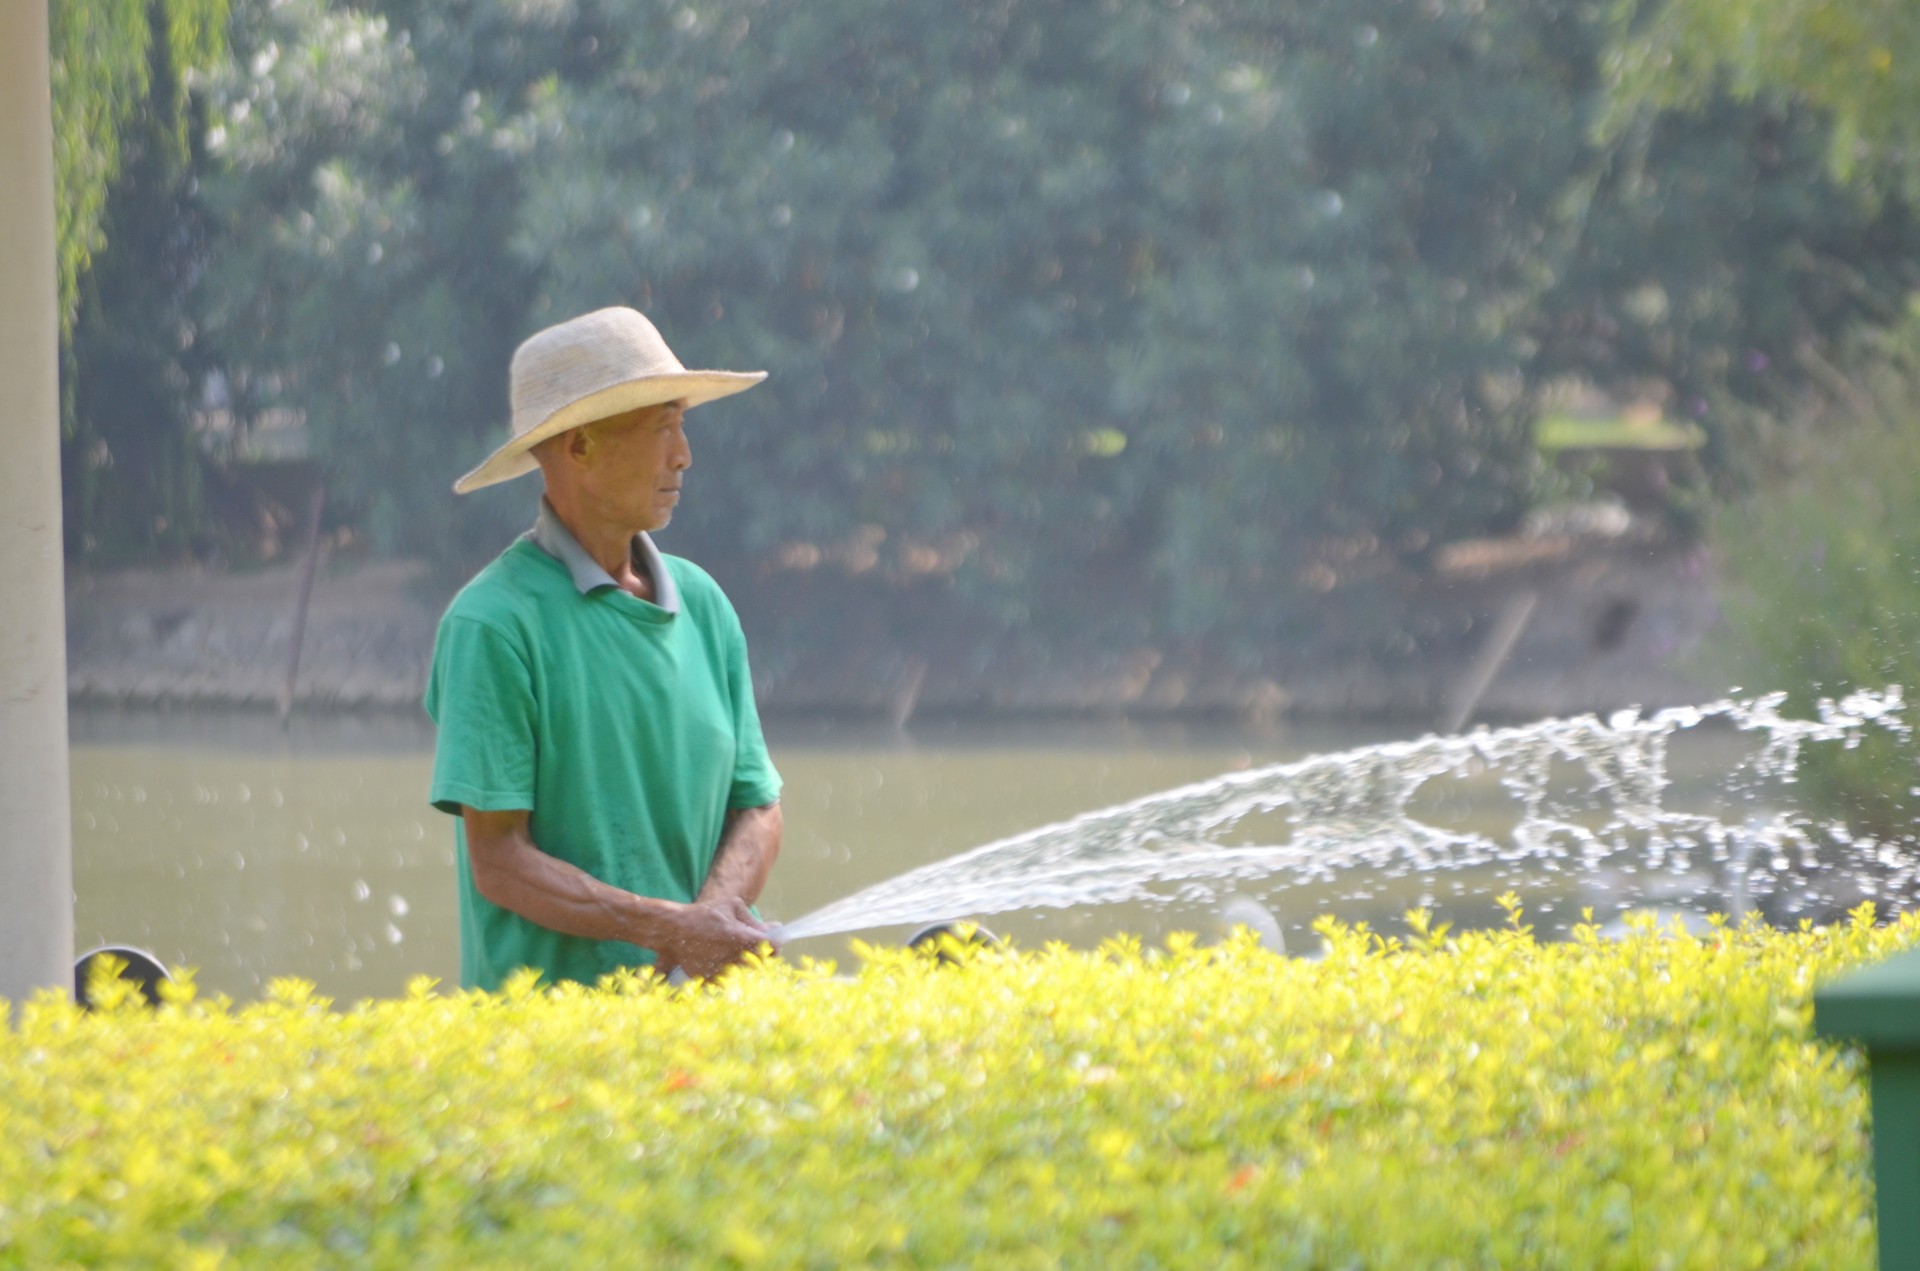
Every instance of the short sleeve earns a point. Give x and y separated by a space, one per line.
480 698
755 782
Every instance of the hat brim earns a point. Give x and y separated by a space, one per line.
693 387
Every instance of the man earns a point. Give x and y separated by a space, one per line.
597 732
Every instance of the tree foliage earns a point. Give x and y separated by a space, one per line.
1859 62
1058 299
1719 267
1824 554
1130 319
1827 561
104 58
1802 80
1101 289
127 244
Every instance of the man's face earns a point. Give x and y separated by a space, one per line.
635 463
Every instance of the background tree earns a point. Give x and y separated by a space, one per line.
1721 269
126 242
1094 323
1825 565
1076 309
1825 553
1857 63
113 62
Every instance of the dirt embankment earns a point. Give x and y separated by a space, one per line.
1605 625
197 637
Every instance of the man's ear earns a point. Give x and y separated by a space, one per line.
573 444
580 446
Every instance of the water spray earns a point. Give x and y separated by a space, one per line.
1348 814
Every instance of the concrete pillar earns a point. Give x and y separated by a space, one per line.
36 852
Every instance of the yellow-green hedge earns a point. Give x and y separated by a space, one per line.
1474 1101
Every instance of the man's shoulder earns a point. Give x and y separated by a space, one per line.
507 592
695 584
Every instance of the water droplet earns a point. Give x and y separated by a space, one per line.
360 889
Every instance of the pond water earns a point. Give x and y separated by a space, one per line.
222 842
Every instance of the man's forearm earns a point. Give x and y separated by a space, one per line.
702 938
749 844
515 874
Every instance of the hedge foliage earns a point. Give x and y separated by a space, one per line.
1473 1101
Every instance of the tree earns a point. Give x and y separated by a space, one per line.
1858 63
366 182
126 251
1114 320
1823 555
1719 265
112 62
1826 565
1060 299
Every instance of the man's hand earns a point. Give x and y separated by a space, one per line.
708 936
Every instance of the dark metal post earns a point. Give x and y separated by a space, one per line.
1880 1006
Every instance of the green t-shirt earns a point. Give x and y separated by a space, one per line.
627 729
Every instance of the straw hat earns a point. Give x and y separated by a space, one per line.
597 365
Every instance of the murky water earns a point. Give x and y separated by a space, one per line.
224 843
218 841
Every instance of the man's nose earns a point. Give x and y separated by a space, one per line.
682 454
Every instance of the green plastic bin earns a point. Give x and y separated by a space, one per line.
1880 1006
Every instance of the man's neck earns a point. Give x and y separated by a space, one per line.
611 547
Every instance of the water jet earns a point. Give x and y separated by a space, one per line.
1590 815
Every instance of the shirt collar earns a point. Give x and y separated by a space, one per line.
552 536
